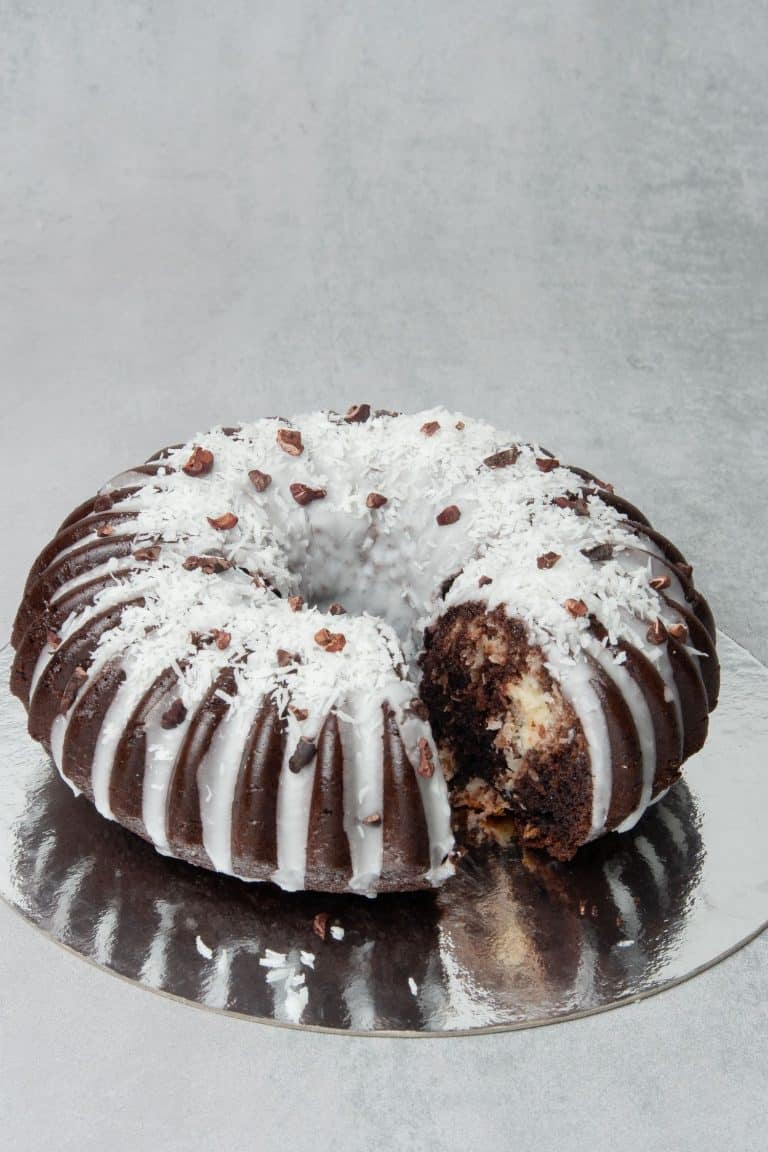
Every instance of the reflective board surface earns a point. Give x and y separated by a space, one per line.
513 941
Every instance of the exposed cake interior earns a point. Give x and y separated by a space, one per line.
511 745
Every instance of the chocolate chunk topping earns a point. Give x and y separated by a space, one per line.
210 565
602 484
375 500
337 609
578 505
460 425
547 560
103 502
430 427
547 464
106 530
285 658
224 522
330 641
73 686
503 459
53 639
289 439
200 462
358 414
296 603
303 754
657 633
304 495
320 925
174 715
678 632
301 714
150 553
660 583
216 636
484 581
417 707
448 515
260 480
426 765
598 552
576 607
373 820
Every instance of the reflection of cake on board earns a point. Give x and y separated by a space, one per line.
504 935
258 649
531 930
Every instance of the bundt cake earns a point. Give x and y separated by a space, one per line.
314 650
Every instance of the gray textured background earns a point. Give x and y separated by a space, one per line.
551 214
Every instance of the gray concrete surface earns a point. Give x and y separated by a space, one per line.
552 214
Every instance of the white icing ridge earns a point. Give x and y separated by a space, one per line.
387 566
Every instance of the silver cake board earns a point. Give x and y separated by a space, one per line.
511 942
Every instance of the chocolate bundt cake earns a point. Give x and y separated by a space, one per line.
310 650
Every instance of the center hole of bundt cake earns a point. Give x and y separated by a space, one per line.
503 728
334 568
